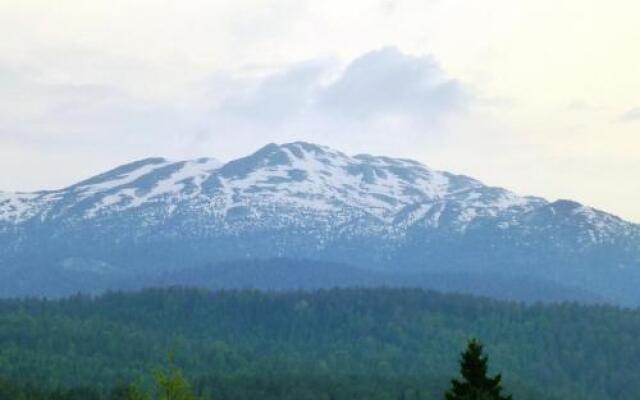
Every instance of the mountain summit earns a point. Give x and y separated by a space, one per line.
298 200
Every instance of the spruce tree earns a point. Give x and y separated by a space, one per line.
475 384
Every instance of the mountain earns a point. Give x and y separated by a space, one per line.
155 218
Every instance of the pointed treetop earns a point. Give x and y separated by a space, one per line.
475 383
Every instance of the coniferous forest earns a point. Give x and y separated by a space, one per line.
326 344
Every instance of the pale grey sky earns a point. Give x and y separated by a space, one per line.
539 96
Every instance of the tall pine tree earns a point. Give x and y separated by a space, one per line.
475 384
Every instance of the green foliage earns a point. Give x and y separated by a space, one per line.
329 344
475 384
171 384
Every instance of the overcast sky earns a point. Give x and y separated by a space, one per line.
541 97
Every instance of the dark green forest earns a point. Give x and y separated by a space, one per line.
325 344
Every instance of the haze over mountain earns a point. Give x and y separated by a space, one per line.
374 219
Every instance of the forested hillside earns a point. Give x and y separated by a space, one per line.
326 344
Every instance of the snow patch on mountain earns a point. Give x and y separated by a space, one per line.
17 207
319 178
171 189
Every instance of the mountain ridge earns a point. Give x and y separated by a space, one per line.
6 196
301 200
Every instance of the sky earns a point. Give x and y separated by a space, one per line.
538 96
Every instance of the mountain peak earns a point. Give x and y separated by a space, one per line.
299 149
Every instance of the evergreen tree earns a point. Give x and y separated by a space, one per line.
172 385
475 385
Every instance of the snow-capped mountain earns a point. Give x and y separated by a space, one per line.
301 200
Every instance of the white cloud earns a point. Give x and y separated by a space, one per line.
380 84
387 82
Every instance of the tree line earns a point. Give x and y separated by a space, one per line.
170 384
325 344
